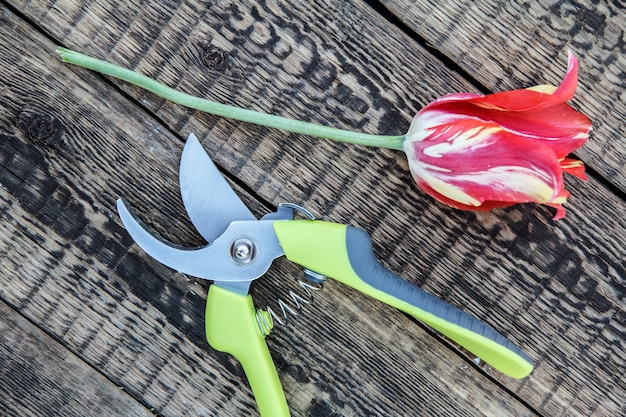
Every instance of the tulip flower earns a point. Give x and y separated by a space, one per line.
468 151
480 152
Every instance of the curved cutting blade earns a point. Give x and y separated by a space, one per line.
214 261
210 202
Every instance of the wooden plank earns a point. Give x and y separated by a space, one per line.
44 378
509 45
69 267
555 289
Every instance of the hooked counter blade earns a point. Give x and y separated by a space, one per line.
210 202
210 261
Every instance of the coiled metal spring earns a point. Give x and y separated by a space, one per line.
293 306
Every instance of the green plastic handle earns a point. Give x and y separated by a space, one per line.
231 326
345 254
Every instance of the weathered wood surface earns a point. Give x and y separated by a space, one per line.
30 368
72 143
511 44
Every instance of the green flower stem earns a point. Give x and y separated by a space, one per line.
224 110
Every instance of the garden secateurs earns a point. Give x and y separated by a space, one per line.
241 249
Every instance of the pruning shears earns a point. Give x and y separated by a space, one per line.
242 248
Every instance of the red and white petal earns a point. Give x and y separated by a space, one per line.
527 99
476 165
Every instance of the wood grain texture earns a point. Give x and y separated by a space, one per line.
556 289
69 266
40 377
508 45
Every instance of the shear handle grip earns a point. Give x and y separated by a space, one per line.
345 253
231 327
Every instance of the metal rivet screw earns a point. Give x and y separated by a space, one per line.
242 251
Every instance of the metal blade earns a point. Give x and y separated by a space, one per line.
217 261
210 202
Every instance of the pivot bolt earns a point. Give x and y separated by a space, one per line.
242 251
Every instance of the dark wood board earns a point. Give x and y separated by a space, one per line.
74 142
44 378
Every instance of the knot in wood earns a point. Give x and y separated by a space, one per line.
41 128
215 58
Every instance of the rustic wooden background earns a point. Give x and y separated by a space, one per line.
89 325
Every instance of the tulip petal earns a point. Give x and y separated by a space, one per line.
561 127
533 98
574 167
485 206
557 203
543 88
525 100
471 162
